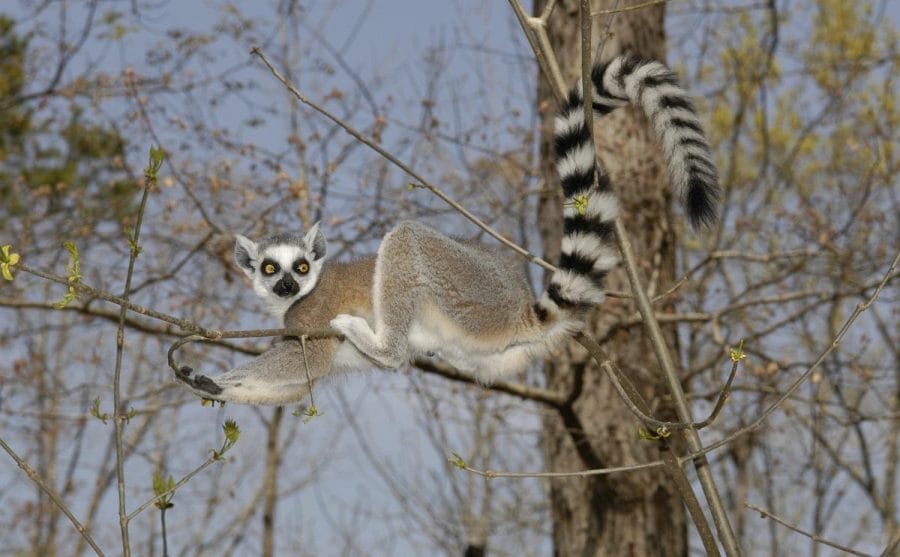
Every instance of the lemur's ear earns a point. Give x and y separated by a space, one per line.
315 242
245 254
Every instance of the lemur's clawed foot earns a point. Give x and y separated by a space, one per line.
198 382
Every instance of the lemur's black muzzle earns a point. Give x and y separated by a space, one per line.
286 287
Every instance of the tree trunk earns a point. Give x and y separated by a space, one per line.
634 513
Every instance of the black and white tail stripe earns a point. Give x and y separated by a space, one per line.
588 246
654 87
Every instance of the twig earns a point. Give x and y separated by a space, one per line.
587 100
119 416
835 342
766 514
34 477
627 391
536 33
422 182
179 483
629 8
550 398
734 254
309 381
892 546
491 474
81 288
215 336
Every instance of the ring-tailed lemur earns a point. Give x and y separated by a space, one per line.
426 293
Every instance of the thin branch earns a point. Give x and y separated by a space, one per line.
422 182
548 9
251 333
766 514
629 8
627 392
491 474
212 458
535 31
113 316
119 416
82 288
832 346
544 396
52 495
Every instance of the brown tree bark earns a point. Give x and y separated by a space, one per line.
638 513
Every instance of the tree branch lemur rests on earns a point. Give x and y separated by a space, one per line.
466 303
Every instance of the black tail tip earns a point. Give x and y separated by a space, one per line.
702 203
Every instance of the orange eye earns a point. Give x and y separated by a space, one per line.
269 269
303 268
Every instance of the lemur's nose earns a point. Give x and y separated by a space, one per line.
286 286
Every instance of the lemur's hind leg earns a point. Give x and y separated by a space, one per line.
395 295
277 376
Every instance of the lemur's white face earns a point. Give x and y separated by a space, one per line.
283 267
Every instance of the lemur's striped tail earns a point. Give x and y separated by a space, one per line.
654 87
588 251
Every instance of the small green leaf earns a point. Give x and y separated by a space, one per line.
737 354
157 155
161 486
661 432
67 299
132 245
581 204
310 412
457 461
232 431
8 260
95 411
232 434
74 275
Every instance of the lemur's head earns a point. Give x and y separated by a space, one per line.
283 267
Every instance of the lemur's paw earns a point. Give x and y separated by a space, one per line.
206 384
351 325
198 382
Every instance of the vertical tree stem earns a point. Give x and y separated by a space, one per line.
270 483
701 463
119 416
